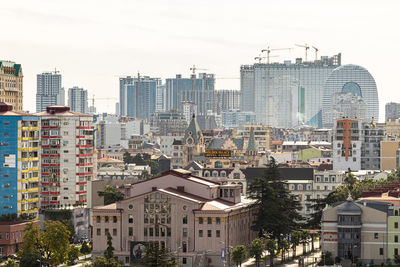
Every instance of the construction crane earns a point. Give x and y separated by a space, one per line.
316 52
194 68
268 50
306 47
101 98
259 58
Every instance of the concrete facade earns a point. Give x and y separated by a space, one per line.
11 91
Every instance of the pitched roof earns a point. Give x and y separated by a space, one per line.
193 131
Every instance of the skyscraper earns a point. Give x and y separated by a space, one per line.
199 90
138 96
226 100
77 99
49 91
355 80
286 94
19 162
11 84
392 111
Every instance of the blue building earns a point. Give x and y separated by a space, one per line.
138 96
199 90
19 162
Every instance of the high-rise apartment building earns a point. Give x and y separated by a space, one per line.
199 90
11 84
392 111
372 136
286 94
189 109
226 100
66 157
161 101
19 162
346 146
354 80
49 91
78 99
163 123
138 96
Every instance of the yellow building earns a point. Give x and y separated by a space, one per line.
389 155
11 84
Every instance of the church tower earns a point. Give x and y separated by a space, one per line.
193 142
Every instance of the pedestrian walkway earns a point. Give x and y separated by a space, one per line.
288 255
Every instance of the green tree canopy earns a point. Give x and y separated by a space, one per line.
73 254
103 262
109 252
51 244
111 195
256 249
277 209
238 255
272 248
156 256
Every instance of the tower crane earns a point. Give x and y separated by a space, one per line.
268 50
306 47
316 52
259 58
194 68
100 98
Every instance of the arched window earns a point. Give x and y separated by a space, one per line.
206 174
223 174
215 174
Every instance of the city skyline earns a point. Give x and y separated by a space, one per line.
363 32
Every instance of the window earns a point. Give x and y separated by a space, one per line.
184 247
231 193
200 233
209 220
380 251
126 259
106 219
209 233
396 251
98 231
218 220
7 236
130 219
184 220
236 175
106 231
185 232
396 213
145 231
114 219
218 233
1 235
151 231
376 235
130 231
200 220
396 225
114 231
184 261
98 219
396 239
225 192
168 231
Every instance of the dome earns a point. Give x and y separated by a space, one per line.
350 79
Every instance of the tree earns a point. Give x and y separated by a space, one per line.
256 249
127 158
11 263
282 217
304 239
349 181
103 262
51 244
285 246
109 252
85 249
296 238
271 247
73 254
238 255
111 195
156 256
30 260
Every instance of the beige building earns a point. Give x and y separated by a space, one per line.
193 217
356 230
11 84
390 155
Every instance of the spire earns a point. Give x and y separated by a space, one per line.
193 134
251 146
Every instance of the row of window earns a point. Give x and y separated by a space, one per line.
209 220
209 233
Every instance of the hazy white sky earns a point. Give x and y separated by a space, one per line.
92 42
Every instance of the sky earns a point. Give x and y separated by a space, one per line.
92 43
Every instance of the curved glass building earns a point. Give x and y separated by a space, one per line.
355 82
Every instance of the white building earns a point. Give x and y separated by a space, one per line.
49 90
67 159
